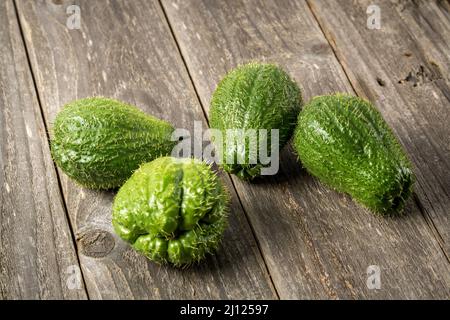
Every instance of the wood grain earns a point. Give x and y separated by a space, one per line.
317 243
414 93
428 23
124 49
37 255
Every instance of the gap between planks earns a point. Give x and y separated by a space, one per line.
172 33
72 235
430 223
428 220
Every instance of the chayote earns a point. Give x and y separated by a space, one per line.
249 104
99 142
172 210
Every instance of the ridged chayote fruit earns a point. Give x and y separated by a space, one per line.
172 210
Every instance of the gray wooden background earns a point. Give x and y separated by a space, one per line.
289 237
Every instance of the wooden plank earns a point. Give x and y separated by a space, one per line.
124 49
412 90
428 23
37 255
317 243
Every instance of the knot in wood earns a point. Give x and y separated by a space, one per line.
96 243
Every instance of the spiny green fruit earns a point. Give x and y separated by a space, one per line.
344 141
172 210
253 96
99 142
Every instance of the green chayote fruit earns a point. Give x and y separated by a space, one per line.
99 142
345 142
249 98
172 210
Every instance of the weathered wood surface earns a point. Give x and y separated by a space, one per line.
317 243
37 256
124 49
311 242
428 23
408 78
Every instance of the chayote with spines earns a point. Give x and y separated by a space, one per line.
253 96
172 210
345 142
99 142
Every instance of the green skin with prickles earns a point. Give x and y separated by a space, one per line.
253 96
344 141
99 142
172 210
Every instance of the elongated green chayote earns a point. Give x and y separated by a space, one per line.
99 142
345 142
251 99
172 210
